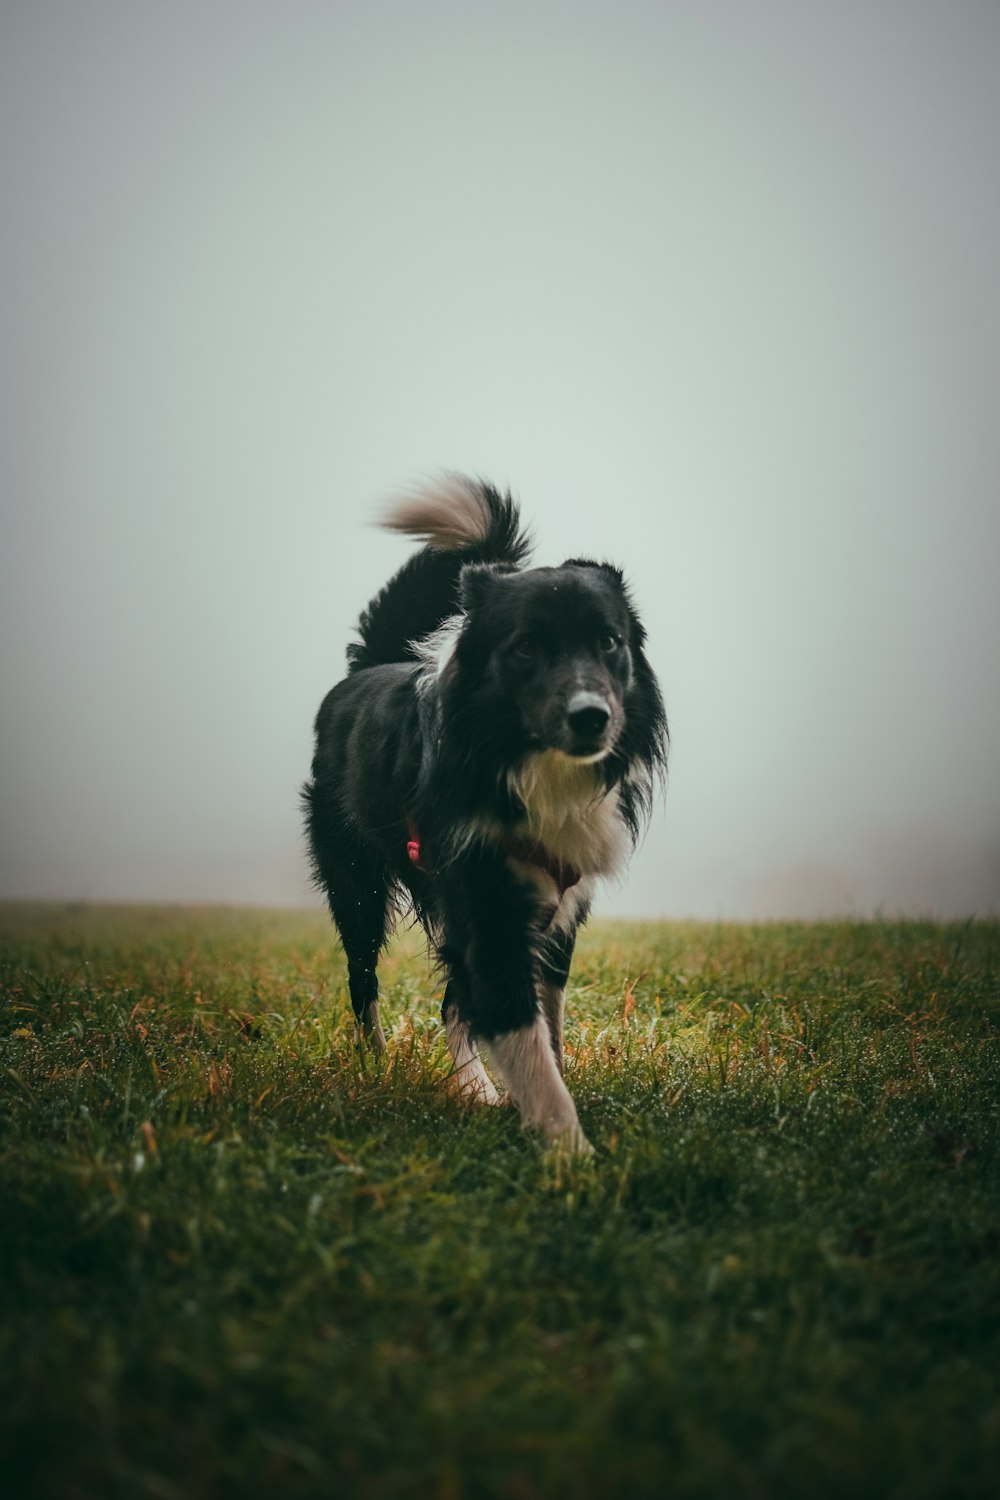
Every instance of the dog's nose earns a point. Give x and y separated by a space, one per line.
588 715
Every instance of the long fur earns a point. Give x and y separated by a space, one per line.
461 521
492 753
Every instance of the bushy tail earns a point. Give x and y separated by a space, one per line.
459 520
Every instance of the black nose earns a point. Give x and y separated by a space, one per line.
588 715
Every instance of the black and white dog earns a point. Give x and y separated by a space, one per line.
492 751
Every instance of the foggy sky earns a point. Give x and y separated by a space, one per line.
713 287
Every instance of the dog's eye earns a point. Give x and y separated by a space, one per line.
609 643
526 648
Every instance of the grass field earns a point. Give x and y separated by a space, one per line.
236 1261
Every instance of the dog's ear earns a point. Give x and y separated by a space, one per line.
477 581
602 567
616 577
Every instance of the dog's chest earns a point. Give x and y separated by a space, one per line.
569 812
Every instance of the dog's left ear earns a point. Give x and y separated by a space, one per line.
477 581
617 579
602 567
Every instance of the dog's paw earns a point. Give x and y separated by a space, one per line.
569 1145
473 1088
369 1042
569 1165
369 1036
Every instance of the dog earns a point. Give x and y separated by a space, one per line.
492 752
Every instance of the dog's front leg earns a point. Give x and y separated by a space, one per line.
492 941
470 1079
526 1062
554 959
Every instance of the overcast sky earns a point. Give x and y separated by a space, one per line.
713 287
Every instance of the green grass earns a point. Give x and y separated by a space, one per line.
236 1261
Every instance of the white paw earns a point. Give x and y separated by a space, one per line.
569 1142
370 1034
473 1087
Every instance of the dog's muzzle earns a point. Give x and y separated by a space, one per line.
588 716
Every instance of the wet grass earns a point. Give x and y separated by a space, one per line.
235 1261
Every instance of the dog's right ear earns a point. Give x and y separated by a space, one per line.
477 581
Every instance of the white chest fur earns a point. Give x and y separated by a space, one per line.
570 813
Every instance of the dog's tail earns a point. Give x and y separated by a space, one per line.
459 520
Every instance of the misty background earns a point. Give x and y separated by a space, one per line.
713 287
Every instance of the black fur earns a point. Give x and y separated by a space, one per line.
425 590
541 671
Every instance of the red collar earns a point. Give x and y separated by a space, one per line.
413 847
528 851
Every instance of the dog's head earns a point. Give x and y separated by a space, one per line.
553 650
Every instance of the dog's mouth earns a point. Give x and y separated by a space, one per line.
582 752
588 755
